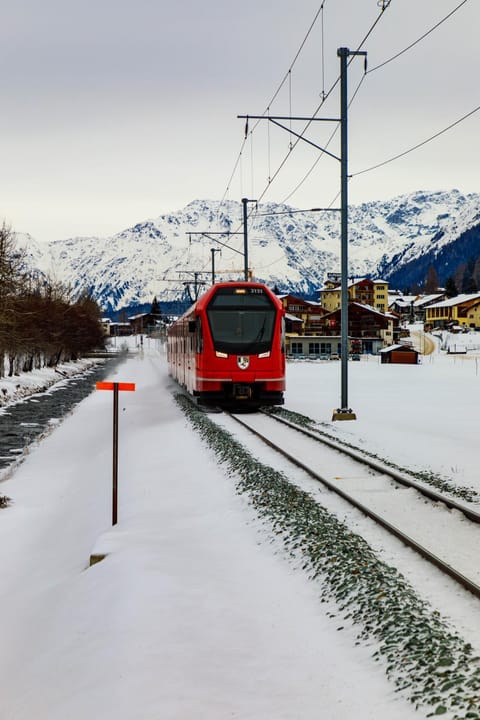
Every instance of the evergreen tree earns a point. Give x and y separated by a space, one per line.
431 280
155 309
469 284
450 287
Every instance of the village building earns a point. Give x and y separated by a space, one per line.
302 316
120 329
413 308
143 322
399 354
462 311
368 330
363 290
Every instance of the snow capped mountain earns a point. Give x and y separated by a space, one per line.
291 249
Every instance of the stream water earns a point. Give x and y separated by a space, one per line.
24 421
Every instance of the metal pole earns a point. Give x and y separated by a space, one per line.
343 53
245 240
212 250
115 455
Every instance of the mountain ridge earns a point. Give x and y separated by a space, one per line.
288 248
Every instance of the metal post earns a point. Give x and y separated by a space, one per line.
343 54
213 265
213 251
115 455
245 240
344 412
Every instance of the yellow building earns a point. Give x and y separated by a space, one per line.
462 310
364 291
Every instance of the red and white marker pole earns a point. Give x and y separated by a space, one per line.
115 386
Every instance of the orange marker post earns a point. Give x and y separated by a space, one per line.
115 386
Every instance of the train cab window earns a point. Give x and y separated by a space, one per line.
241 322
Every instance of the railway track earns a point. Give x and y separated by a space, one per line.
439 528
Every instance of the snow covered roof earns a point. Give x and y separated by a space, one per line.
398 347
457 300
140 315
401 302
352 283
425 299
371 308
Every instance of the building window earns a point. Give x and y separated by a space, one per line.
325 348
314 348
297 348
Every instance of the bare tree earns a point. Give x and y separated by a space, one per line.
39 322
11 282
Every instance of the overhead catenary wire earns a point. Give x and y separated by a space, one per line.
417 146
326 145
325 94
418 40
286 77
368 72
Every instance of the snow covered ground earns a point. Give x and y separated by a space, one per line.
194 613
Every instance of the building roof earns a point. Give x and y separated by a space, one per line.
403 348
457 300
352 283
425 299
140 315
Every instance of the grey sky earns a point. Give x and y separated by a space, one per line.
114 111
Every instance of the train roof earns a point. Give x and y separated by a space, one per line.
204 299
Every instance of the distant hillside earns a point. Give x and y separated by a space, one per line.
451 261
396 240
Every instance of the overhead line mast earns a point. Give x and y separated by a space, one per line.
343 412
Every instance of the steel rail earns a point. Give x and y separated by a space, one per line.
407 540
471 514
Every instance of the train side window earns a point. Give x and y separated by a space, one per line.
199 336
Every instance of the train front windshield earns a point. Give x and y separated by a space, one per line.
241 321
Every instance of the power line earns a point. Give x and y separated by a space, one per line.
325 96
315 113
417 146
286 77
367 72
314 165
384 4
422 37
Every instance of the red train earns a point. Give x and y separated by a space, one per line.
228 349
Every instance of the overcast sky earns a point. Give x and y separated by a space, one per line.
114 111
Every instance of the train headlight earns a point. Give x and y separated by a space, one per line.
220 354
264 355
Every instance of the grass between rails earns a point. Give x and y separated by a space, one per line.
426 476
429 663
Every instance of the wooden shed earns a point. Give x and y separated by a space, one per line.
405 354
